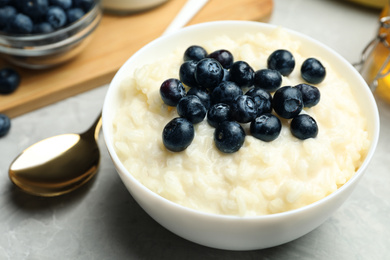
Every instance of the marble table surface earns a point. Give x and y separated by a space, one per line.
102 221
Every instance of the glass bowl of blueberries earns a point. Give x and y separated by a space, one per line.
39 34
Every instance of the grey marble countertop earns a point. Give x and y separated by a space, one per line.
102 221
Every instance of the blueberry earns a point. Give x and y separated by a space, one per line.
171 91
259 92
268 79
303 127
56 16
5 124
203 95
208 73
266 127
195 53
282 61
187 73
226 92
287 102
64 4
6 14
229 136
86 5
224 57
310 94
313 71
242 74
34 8
191 108
226 75
218 113
20 24
178 134
262 98
5 2
74 14
43 27
244 109
9 80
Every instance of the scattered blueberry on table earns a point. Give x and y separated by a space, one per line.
9 80
212 86
5 124
40 16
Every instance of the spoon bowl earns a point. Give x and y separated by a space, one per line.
59 164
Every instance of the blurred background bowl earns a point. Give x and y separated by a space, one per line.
40 51
234 232
130 6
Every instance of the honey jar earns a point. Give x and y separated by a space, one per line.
375 62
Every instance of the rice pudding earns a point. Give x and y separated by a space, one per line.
262 177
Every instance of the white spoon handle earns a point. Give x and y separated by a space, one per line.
188 11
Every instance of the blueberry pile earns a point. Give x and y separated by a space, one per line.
231 93
40 16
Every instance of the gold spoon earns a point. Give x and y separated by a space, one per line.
59 164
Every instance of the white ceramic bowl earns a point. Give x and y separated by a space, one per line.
232 232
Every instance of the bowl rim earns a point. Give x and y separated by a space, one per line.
355 178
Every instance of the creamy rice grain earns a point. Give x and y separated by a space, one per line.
261 178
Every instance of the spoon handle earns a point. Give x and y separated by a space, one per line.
94 129
190 8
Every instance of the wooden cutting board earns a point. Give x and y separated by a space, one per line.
114 41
